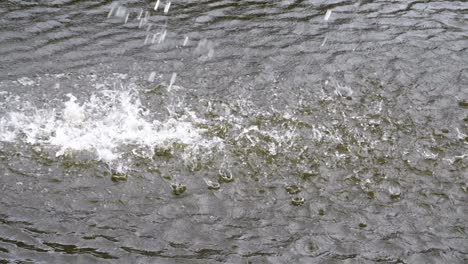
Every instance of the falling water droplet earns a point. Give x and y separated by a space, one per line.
111 11
327 15
162 37
173 78
156 5
185 41
154 38
166 7
141 14
324 41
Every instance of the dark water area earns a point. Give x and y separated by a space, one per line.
233 131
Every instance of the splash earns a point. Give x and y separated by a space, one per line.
106 125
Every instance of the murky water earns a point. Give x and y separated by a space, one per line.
233 131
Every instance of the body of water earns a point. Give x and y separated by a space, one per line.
233 131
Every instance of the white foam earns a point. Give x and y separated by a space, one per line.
104 124
25 81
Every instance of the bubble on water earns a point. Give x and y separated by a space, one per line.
153 40
140 14
297 201
212 185
225 176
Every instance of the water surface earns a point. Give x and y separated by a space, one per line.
233 132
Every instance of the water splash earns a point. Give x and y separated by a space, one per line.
156 5
104 125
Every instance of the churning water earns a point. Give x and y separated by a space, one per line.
233 131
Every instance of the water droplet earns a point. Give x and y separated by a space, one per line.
323 44
166 7
173 78
156 5
327 15
162 36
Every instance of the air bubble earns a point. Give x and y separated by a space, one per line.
297 201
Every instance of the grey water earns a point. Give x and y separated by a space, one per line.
288 131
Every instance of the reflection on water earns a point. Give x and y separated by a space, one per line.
233 132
